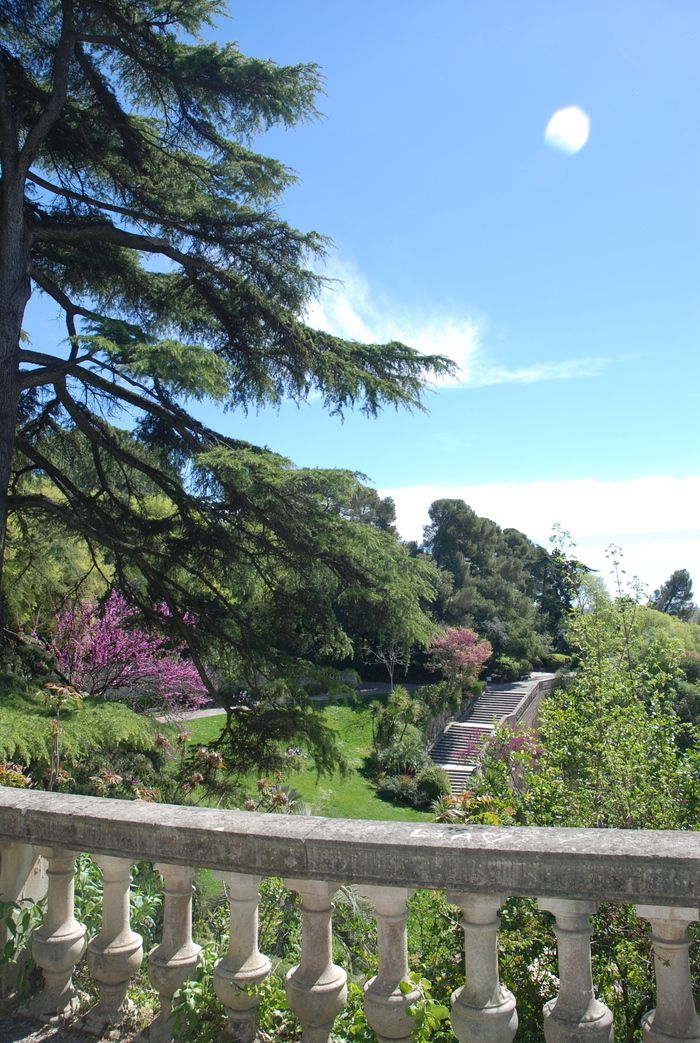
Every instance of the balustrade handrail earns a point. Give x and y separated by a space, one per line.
641 866
535 692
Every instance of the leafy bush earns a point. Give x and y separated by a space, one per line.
432 782
95 737
556 661
473 808
24 659
403 756
507 669
690 665
419 790
440 696
13 776
398 787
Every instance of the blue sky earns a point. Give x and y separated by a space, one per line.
566 286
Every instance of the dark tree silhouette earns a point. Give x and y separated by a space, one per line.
675 596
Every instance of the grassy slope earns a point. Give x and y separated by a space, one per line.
352 797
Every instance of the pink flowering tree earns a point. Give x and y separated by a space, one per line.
459 654
102 650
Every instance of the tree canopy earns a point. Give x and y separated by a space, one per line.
512 591
131 196
675 596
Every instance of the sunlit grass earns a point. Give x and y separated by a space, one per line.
353 796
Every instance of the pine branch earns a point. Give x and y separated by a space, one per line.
48 230
112 208
115 114
61 67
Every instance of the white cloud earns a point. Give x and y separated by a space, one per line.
654 520
569 369
349 307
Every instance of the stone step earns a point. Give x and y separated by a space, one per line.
487 718
453 756
460 739
500 710
500 704
465 726
495 711
496 704
460 744
459 777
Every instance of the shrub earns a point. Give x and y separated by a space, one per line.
93 736
472 808
432 783
13 775
420 790
507 669
403 756
397 787
25 659
439 697
690 665
556 661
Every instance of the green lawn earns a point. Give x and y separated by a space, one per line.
351 797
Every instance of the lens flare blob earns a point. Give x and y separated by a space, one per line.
568 130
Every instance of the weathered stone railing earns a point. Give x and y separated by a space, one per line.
569 871
525 713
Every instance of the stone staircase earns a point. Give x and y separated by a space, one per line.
457 751
493 706
458 748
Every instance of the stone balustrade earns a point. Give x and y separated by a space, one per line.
568 870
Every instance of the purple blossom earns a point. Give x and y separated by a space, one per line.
459 654
101 651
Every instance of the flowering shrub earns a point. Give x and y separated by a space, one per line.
509 741
274 796
101 651
459 654
473 808
13 775
508 757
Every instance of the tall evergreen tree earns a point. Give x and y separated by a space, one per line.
512 591
675 596
130 197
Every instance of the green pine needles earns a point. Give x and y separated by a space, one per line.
130 197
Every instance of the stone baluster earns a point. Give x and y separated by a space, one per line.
177 957
385 1003
316 988
58 945
576 1014
114 955
483 1010
243 967
675 1017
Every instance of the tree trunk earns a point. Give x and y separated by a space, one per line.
14 294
